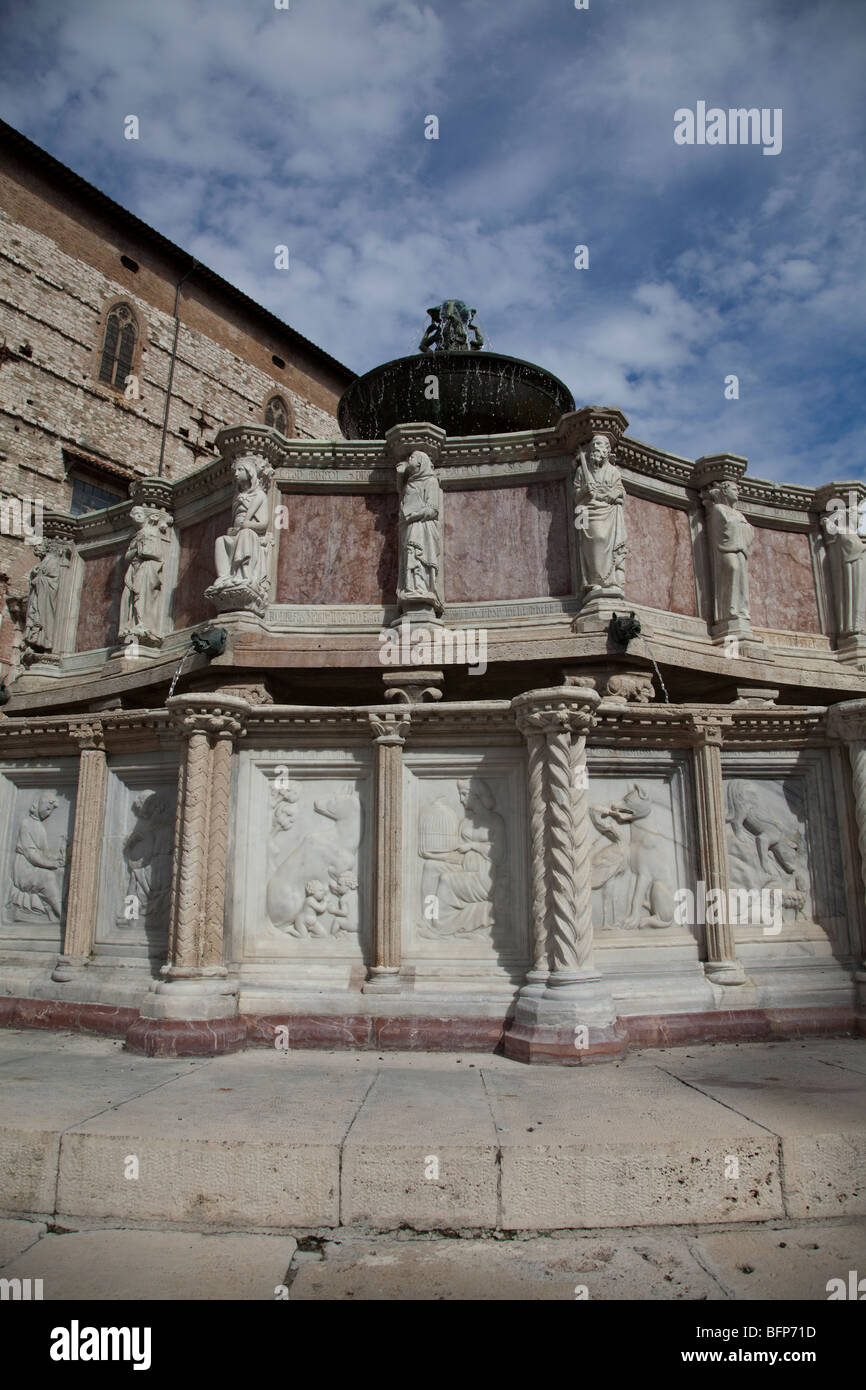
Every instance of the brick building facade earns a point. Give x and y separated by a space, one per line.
87 337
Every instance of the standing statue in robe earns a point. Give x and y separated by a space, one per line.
142 583
731 538
846 550
599 519
41 611
420 534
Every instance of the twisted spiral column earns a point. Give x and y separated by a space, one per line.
562 921
582 858
210 949
209 729
537 792
554 723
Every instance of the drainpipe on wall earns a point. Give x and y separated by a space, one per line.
171 367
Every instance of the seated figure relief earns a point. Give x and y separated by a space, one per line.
464 880
312 888
36 889
629 864
766 849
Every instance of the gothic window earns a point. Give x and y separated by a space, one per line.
277 415
118 346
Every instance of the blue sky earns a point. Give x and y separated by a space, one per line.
305 127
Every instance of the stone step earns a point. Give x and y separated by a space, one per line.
269 1142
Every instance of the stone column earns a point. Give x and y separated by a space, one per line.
193 1006
847 721
87 838
563 1013
536 979
389 731
721 966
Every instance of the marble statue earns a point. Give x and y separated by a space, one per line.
730 537
148 856
847 554
420 534
449 329
41 611
465 863
140 607
312 888
599 518
38 865
631 854
764 852
241 556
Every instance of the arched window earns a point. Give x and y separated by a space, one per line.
118 346
277 415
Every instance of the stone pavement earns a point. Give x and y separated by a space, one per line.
706 1172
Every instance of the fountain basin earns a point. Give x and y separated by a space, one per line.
478 393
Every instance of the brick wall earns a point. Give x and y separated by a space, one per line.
60 269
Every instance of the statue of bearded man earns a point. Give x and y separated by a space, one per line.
599 519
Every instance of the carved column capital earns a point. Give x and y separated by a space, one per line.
847 721
217 717
88 734
390 727
703 730
563 709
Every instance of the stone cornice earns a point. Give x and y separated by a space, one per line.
293 458
69 733
731 726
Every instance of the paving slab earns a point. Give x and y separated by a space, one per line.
108 1265
620 1147
43 1094
565 1269
817 1110
422 1152
784 1262
251 1142
18 1236
265 1141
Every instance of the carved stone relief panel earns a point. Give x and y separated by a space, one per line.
302 855
137 857
783 847
642 850
464 857
37 807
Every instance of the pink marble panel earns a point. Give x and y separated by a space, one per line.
781 582
339 547
506 543
196 570
660 569
99 606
